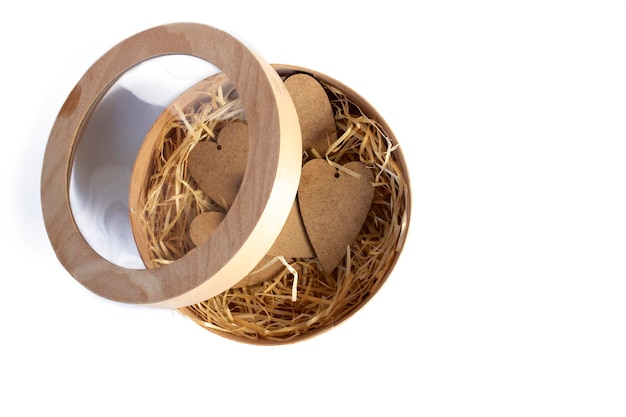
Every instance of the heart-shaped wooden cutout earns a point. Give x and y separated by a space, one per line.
204 224
293 241
205 163
316 116
218 167
334 205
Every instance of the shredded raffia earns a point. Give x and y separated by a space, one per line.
301 300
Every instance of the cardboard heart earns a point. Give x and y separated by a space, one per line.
334 206
203 225
218 167
316 116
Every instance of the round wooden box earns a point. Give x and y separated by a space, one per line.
298 298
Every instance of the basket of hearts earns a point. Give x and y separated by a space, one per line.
340 233
344 230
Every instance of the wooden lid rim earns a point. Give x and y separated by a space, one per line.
257 214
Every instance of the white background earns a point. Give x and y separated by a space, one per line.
510 296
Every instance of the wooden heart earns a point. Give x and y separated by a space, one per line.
218 167
334 206
316 116
293 241
203 225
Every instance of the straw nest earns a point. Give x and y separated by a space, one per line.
289 306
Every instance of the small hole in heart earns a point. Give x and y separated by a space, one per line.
219 147
336 175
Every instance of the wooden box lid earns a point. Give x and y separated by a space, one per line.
250 227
